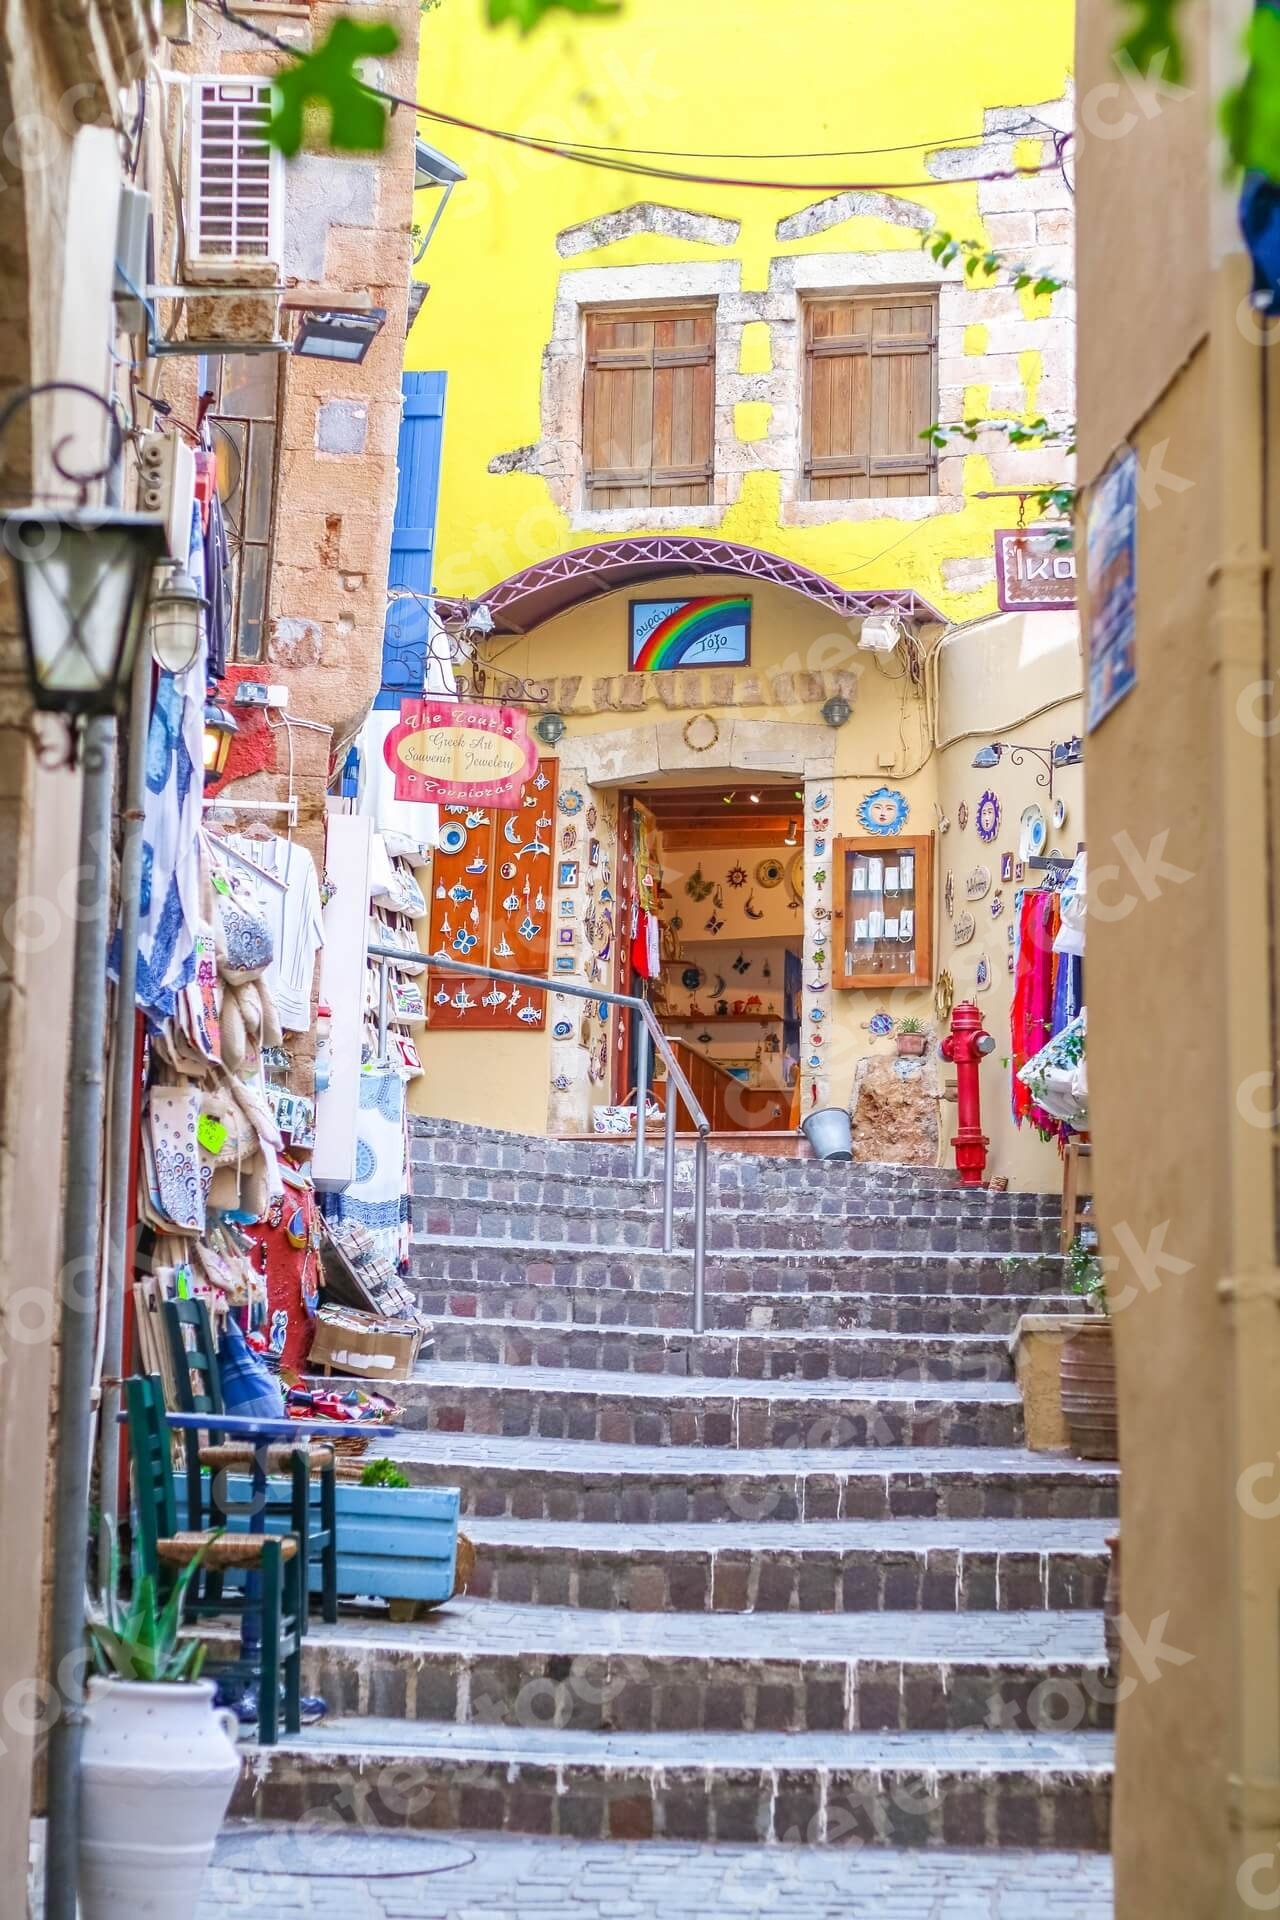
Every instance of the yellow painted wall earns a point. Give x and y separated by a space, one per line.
814 75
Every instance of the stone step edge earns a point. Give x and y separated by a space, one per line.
780 1256
787 1336
655 1388
915 1798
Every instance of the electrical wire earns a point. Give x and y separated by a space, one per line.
607 160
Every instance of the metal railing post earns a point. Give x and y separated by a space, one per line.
642 1093
669 1170
382 1013
650 1035
700 1235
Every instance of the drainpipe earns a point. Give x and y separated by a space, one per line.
121 1125
77 1329
1250 1288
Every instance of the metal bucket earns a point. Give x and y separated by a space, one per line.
829 1131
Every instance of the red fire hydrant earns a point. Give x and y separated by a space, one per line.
965 1047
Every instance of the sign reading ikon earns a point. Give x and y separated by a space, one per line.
1035 572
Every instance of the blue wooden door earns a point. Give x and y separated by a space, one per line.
413 540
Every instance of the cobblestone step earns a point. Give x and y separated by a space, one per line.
475 1664
265 1872
566 1304
561 1403
586 1218
926 1789
442 1259
773 1567
586 1480
864 1355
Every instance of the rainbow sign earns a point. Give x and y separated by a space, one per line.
690 633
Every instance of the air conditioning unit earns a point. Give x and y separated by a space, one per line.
133 259
167 486
235 184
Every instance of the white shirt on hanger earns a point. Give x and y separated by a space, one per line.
293 914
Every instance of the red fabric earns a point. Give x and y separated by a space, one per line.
1031 1015
646 946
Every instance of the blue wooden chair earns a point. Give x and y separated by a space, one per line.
314 1521
274 1601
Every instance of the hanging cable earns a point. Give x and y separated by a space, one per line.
608 160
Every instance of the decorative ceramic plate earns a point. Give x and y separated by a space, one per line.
962 815
571 802
453 837
1033 833
769 873
988 817
1059 814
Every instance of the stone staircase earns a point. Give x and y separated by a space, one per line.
795 1579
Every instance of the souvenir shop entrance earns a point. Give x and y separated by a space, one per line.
721 870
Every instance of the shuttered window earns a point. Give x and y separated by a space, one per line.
870 392
648 427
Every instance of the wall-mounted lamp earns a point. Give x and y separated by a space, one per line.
338 333
220 729
1059 753
793 834
881 633
81 583
550 728
836 710
433 169
174 621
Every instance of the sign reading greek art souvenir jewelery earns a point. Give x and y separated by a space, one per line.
442 752
1035 569
712 631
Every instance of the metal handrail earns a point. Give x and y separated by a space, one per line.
649 1031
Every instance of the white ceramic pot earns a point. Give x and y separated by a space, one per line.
157 1771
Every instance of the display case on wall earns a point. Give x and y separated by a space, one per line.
882 916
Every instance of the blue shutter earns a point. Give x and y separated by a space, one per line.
406 634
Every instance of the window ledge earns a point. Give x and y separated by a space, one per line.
823 513
646 519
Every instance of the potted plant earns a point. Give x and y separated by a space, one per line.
159 1763
911 1036
1088 1362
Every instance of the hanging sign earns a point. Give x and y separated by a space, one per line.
442 752
1035 569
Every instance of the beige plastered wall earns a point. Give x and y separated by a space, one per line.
1177 987
627 731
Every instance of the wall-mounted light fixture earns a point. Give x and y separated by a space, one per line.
793 834
550 728
337 333
174 621
220 729
836 711
1059 753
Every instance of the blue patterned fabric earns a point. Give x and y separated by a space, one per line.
378 1197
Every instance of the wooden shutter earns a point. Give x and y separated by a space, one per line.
649 408
870 392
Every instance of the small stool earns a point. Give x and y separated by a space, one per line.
1078 1148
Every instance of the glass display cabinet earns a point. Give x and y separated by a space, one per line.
882 916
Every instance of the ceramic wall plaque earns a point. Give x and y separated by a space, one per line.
977 883
962 929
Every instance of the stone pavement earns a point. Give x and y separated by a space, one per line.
505 1877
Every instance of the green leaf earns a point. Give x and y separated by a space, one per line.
1047 284
1153 39
1250 114
328 77
527 13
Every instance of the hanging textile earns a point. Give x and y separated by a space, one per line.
377 1199
1031 1013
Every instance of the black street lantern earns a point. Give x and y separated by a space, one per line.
82 581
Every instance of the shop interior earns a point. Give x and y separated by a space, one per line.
724 870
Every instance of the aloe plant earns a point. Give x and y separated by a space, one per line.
137 1639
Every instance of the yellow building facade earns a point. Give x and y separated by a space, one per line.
666 388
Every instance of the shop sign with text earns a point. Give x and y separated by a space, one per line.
1035 569
445 753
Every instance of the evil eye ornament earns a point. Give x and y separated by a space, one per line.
562 1029
453 837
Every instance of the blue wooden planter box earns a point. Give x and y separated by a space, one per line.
400 1543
